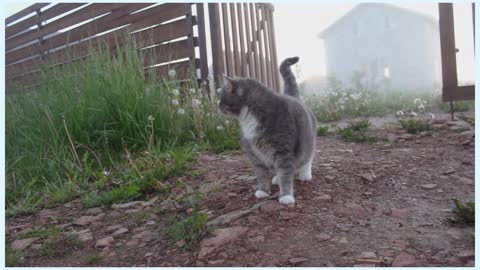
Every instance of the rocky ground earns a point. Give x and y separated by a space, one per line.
383 204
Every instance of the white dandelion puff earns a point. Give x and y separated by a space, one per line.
181 111
106 173
413 114
400 113
227 122
219 128
196 102
192 91
172 73
175 92
431 115
416 101
219 90
151 118
421 107
175 102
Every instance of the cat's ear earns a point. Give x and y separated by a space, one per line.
232 85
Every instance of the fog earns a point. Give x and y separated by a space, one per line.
396 46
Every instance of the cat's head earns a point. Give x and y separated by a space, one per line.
234 95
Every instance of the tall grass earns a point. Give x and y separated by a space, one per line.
89 118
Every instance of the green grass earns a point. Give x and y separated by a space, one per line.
12 258
87 126
115 195
58 245
414 126
358 132
191 229
40 233
93 259
322 130
464 213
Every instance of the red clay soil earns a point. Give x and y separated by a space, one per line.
383 204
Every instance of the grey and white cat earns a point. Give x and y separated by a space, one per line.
276 131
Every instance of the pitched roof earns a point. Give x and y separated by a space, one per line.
362 6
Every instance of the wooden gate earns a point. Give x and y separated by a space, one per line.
243 42
242 38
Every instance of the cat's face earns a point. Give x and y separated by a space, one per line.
232 96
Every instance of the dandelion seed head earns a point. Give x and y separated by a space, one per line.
192 91
196 102
227 122
151 118
219 90
181 111
175 102
219 128
172 73
175 92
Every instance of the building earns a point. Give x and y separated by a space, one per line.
394 47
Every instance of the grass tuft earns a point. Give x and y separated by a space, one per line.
413 126
358 132
464 213
191 229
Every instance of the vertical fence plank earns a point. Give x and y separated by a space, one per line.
254 41
266 45
260 43
235 39
251 67
226 36
202 42
242 41
271 30
216 39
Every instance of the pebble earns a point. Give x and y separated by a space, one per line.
94 211
113 228
325 197
85 237
22 244
429 186
298 260
403 260
104 242
120 231
322 237
367 255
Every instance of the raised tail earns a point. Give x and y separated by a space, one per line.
290 82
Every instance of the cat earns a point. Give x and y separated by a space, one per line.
277 132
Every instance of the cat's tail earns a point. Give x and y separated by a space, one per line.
290 82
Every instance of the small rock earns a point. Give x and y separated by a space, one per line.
180 243
150 222
120 231
133 211
298 260
367 176
367 255
22 244
271 206
322 237
232 195
429 186
330 178
216 262
114 215
36 246
350 209
86 220
325 197
403 260
104 242
94 211
149 203
127 205
343 240
113 228
449 171
221 237
148 254
85 237
344 253
145 236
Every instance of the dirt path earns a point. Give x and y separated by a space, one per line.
382 204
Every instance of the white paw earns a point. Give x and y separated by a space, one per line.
275 180
305 176
287 199
261 194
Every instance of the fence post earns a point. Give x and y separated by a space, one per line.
202 44
39 28
216 38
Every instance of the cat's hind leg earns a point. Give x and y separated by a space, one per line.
263 182
305 172
284 173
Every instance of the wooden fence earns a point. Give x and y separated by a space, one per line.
45 35
243 42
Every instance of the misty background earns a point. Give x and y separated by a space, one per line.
377 41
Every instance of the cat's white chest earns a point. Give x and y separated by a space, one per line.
248 124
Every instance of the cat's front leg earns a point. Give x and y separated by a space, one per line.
263 181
